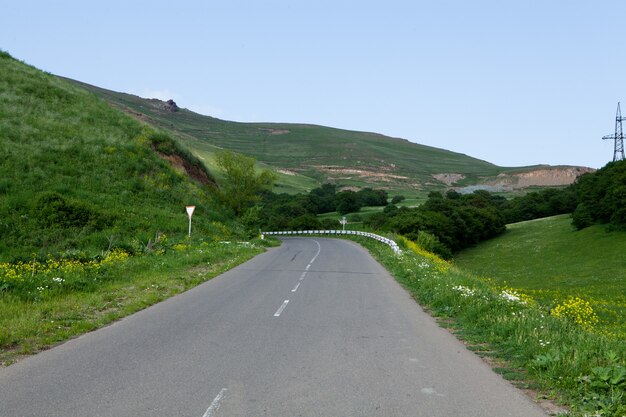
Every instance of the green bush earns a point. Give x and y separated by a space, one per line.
397 198
581 217
603 195
347 202
330 224
305 222
430 243
52 211
457 221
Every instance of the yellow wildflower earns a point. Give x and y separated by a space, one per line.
578 310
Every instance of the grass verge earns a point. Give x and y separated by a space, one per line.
566 264
33 322
566 362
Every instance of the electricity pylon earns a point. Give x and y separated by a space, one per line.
618 136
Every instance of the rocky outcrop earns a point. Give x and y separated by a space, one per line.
170 105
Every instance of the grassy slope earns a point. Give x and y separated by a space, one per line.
56 137
550 258
304 148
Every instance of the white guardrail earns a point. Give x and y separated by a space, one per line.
393 245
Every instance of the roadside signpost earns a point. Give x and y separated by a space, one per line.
190 210
343 222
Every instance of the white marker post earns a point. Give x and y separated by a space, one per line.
190 210
343 222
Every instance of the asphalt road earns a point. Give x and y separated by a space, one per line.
313 328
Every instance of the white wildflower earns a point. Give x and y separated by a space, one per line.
511 296
465 291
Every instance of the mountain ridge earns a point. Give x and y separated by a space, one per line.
306 155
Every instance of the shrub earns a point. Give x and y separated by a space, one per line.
431 243
305 222
603 194
371 197
390 209
347 202
581 217
397 198
355 218
329 224
53 211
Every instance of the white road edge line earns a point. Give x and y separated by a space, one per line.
296 287
281 308
215 404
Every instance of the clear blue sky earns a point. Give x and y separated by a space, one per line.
512 82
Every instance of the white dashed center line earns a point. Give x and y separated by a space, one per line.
281 308
319 249
215 404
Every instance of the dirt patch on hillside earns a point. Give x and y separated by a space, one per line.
187 168
542 177
274 131
286 172
545 176
448 178
340 173
349 188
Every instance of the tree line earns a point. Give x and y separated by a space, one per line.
444 224
448 223
300 211
601 197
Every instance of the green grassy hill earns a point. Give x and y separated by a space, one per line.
553 261
308 155
79 176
